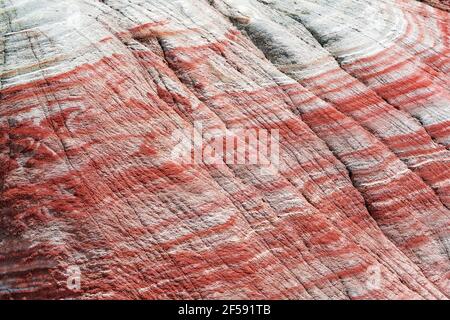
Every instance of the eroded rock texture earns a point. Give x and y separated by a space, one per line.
92 91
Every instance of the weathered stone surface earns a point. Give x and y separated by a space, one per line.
93 91
441 4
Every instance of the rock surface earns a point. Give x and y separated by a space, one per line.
92 92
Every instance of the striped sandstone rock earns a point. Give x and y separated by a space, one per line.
92 93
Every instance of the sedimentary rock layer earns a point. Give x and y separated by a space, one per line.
92 93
